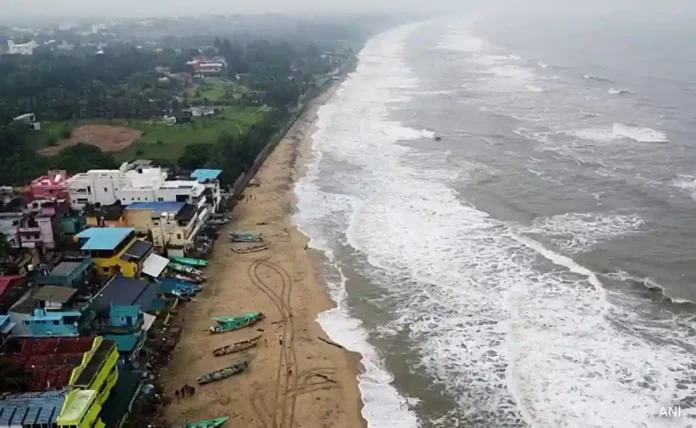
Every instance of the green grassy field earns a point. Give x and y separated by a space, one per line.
160 140
215 89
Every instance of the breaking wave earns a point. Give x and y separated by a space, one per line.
620 131
613 91
597 78
533 88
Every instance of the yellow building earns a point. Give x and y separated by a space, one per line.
105 216
81 409
98 370
117 250
171 225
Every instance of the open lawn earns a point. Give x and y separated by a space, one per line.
215 89
162 140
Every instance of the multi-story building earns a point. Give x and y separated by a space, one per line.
117 250
210 179
129 184
21 48
68 273
172 226
83 363
62 409
53 185
50 311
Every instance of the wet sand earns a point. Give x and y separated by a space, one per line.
295 379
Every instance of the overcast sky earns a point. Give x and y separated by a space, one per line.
118 8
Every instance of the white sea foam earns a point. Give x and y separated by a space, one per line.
620 131
686 182
613 91
534 88
506 339
581 232
515 57
542 64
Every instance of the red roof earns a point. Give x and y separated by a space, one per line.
6 281
50 362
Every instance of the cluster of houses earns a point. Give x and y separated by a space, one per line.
87 289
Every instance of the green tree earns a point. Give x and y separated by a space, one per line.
195 156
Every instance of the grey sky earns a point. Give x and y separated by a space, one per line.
118 8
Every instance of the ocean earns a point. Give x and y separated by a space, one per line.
507 214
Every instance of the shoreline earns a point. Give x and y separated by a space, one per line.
294 378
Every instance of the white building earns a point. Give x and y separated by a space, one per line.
130 184
29 119
22 49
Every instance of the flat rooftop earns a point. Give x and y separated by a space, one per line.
157 208
204 175
103 238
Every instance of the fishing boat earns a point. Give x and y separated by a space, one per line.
190 261
223 373
212 423
245 237
226 324
217 222
253 249
188 278
236 347
186 269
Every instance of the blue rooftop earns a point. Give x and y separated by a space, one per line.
103 238
157 208
203 175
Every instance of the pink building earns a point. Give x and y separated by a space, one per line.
39 225
54 185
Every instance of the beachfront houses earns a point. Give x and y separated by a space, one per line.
210 178
118 251
172 226
129 184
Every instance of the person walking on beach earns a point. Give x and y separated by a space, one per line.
177 395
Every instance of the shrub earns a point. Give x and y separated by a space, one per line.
52 140
65 133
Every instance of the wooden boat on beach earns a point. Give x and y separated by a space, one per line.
212 423
186 269
223 373
226 324
245 237
253 249
190 261
188 278
236 347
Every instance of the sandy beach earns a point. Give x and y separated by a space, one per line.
295 379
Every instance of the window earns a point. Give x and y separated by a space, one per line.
26 323
178 236
55 322
160 199
89 189
106 190
105 269
155 222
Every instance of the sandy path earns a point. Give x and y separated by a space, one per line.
294 380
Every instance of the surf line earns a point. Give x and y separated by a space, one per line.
566 262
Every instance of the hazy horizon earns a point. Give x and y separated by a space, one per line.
19 10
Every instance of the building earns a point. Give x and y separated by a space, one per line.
117 250
69 273
129 184
122 291
106 216
29 119
53 185
172 226
12 288
51 311
84 363
210 178
202 67
39 226
21 49
68 409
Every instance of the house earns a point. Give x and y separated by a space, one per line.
50 311
29 119
5 329
203 67
53 185
210 178
63 409
129 184
12 288
122 291
39 227
79 363
118 406
106 215
69 273
173 226
117 250
21 48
